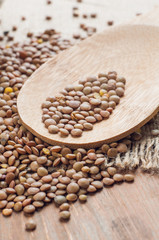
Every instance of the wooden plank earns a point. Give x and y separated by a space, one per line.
124 212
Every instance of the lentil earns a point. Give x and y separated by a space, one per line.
122 148
29 209
84 101
29 176
83 198
71 197
97 184
7 212
59 200
3 195
30 225
77 166
72 188
110 23
64 207
41 171
129 177
118 177
64 215
83 182
111 170
18 206
112 152
108 181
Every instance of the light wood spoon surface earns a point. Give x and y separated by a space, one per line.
132 51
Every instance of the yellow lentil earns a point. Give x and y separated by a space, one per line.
46 151
8 90
40 40
102 92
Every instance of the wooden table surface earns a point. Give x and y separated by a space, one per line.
123 212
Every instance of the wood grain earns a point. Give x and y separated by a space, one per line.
124 212
132 51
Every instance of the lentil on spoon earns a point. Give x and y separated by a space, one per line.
80 106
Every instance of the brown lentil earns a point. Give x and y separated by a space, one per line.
18 206
84 101
72 187
29 177
97 184
7 212
83 198
29 209
122 148
59 200
111 171
64 207
118 177
77 166
112 152
3 195
42 171
71 197
83 182
3 203
108 181
64 215
30 225
129 177
110 23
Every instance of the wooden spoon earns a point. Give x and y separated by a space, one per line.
132 51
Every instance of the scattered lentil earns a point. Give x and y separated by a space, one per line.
48 18
7 212
23 18
29 209
118 177
32 172
49 2
30 225
14 28
64 215
59 200
108 181
111 170
110 23
83 198
93 15
129 177
64 207
71 197
122 148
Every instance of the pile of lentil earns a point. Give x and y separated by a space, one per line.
32 172
80 106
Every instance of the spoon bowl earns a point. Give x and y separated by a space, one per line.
130 50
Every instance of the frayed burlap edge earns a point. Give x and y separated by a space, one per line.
143 153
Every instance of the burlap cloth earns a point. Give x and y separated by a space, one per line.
143 153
